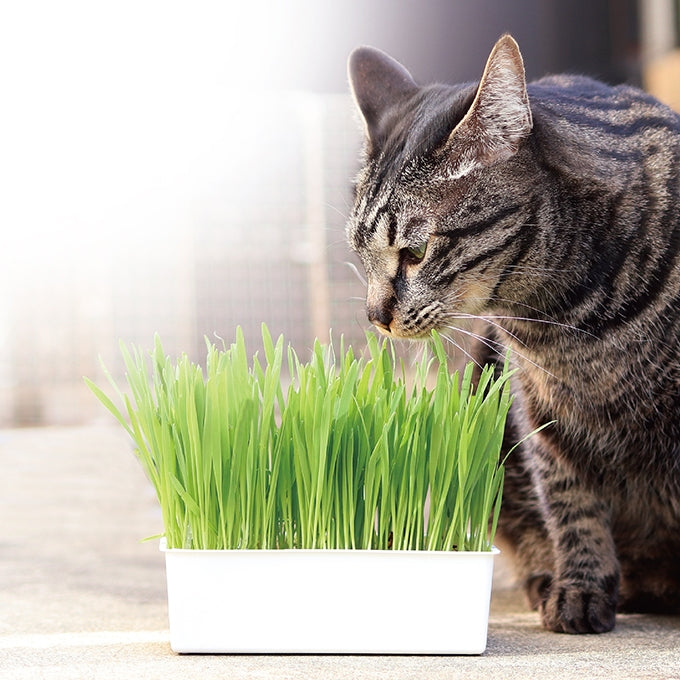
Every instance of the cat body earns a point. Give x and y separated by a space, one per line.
550 211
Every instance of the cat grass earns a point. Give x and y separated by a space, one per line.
347 456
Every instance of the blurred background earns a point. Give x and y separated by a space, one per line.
184 168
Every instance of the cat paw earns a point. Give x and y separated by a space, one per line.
575 609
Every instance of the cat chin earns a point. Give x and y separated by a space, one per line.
396 334
384 331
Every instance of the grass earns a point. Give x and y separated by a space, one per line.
348 456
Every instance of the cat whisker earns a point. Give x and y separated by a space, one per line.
344 214
550 322
357 273
492 344
495 345
339 241
487 342
459 347
454 298
524 305
488 320
531 269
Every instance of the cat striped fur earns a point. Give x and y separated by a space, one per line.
550 212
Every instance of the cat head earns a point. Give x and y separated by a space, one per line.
439 162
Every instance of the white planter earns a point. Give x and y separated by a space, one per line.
328 601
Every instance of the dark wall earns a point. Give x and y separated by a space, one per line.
449 40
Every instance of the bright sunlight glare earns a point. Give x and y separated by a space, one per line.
118 115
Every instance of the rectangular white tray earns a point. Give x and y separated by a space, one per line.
328 601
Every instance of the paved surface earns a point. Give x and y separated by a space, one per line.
82 598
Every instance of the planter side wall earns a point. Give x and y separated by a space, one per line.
318 601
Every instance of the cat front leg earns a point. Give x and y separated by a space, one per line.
583 595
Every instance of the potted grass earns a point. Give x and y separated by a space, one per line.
352 511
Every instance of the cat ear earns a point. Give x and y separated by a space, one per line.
499 117
378 82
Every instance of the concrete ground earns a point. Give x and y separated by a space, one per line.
82 598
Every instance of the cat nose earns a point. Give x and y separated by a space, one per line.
380 316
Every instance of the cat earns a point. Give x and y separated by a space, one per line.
551 211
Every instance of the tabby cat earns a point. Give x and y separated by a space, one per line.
552 212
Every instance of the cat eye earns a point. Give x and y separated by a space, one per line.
415 253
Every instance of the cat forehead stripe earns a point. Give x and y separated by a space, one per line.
370 214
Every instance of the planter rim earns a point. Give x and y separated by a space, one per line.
333 551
